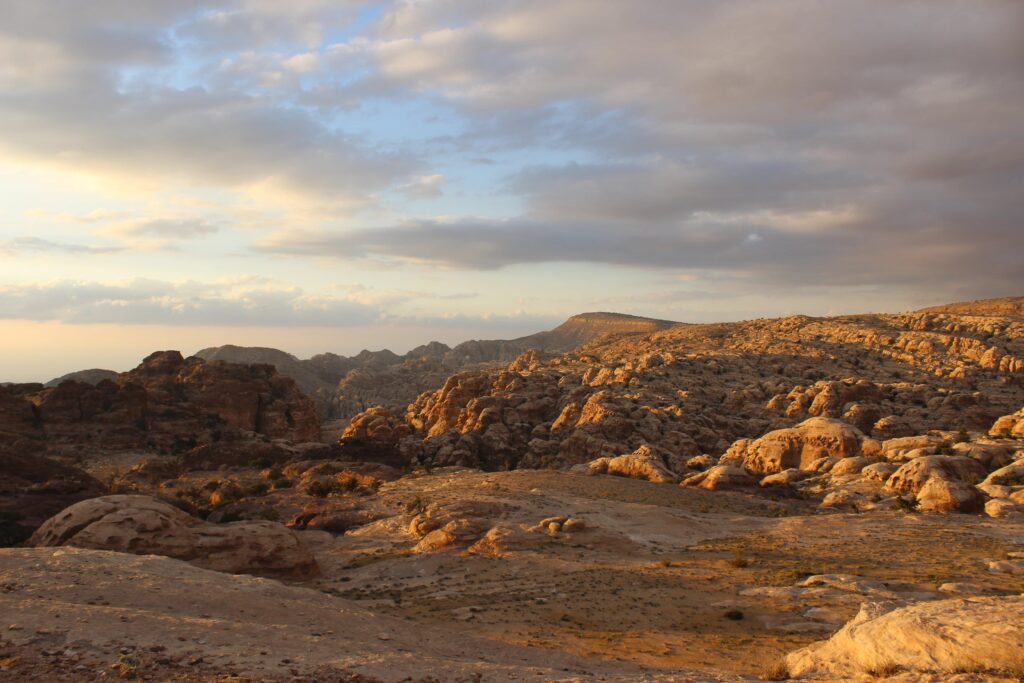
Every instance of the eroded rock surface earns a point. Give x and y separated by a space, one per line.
145 526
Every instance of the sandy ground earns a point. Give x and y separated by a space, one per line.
665 584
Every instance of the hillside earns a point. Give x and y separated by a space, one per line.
1011 306
343 386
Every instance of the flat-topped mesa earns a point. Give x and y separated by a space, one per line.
1010 307
587 327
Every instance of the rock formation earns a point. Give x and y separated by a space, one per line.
145 526
979 635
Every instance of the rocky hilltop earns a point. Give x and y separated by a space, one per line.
343 386
693 390
93 376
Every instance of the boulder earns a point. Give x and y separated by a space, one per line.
879 471
643 463
721 478
145 526
1002 508
939 494
851 465
799 446
1011 475
912 476
947 636
1009 425
785 477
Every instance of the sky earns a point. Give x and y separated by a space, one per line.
332 175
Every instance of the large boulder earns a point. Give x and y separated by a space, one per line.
799 446
721 478
947 636
912 476
643 463
940 494
145 526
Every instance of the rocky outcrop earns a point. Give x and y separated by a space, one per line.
910 478
93 376
145 526
981 635
643 463
345 386
798 447
171 403
1009 425
721 478
696 389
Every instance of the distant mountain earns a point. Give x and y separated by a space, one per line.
586 327
94 376
1010 306
346 385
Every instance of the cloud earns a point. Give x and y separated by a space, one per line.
90 90
241 302
794 142
166 229
424 187
37 244
237 301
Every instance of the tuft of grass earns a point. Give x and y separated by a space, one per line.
887 671
321 489
776 671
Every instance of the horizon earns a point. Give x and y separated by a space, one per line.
302 336
324 176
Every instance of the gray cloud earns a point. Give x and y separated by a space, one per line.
69 95
797 141
861 143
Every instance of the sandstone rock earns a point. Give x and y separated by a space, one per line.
502 540
1009 425
145 526
799 446
785 477
939 494
1001 508
643 463
851 465
700 462
947 636
721 478
892 427
911 477
377 424
879 471
1011 475
573 525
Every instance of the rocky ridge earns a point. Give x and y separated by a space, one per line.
344 386
695 389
